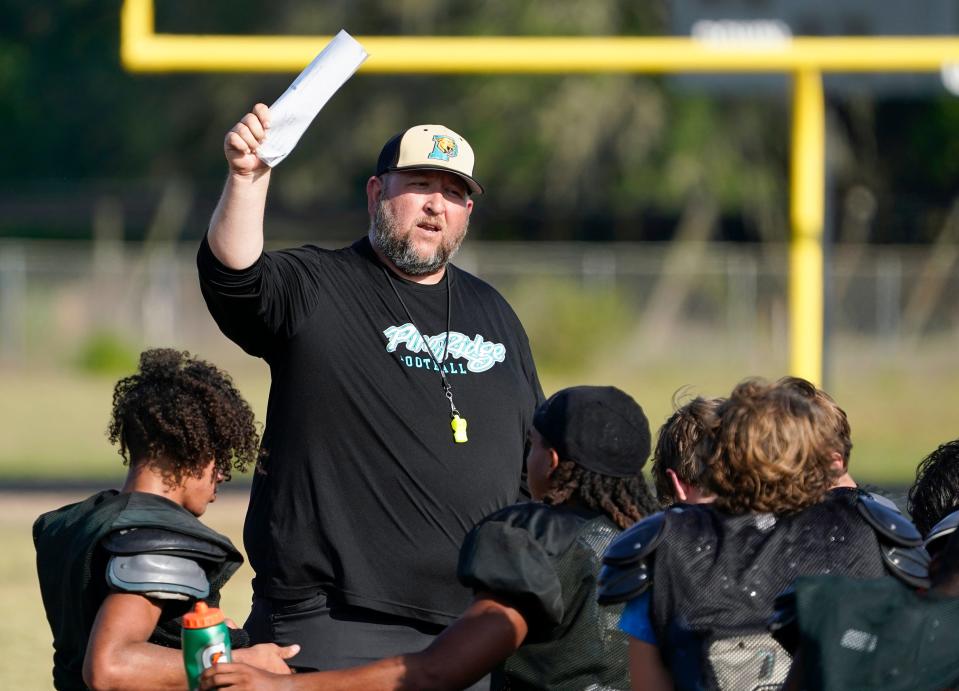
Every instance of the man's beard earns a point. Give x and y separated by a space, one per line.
400 249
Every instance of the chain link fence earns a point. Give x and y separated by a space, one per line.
54 297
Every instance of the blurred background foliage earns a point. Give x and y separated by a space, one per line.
597 157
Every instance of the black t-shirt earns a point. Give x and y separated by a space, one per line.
544 561
365 494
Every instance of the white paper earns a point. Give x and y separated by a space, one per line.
293 112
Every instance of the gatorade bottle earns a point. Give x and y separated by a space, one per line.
206 641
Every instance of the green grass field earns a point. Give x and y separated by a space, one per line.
53 422
900 405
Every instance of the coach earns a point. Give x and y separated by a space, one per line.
402 392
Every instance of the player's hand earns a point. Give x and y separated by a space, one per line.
231 675
267 656
244 139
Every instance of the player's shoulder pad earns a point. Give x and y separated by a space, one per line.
943 529
637 541
623 582
909 564
134 541
626 572
888 522
885 501
160 576
900 542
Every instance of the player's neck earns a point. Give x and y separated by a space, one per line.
142 477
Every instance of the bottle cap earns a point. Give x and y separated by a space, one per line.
202 616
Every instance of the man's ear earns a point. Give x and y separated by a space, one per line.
374 188
679 487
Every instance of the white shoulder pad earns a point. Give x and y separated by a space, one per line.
160 576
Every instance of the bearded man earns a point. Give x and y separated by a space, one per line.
380 354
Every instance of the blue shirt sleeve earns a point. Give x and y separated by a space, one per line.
636 621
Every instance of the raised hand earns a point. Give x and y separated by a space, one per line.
242 141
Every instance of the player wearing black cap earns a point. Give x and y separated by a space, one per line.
534 620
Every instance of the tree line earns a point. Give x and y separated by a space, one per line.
585 157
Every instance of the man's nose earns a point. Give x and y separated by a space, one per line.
435 204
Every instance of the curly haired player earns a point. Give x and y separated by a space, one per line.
534 622
118 569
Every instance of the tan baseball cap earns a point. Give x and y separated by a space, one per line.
429 147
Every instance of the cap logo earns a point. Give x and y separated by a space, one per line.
444 148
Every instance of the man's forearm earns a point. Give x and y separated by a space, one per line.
487 633
412 672
236 229
391 674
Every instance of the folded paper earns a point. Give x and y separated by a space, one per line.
293 112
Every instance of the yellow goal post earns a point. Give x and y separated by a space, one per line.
804 58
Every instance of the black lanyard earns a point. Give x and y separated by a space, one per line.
457 422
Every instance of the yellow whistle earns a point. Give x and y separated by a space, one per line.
459 429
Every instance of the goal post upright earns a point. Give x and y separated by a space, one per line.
806 59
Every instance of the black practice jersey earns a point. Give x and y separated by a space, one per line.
544 561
